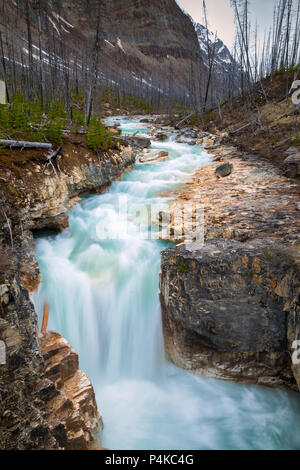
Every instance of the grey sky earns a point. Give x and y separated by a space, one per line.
221 16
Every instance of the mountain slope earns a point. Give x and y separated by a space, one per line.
151 44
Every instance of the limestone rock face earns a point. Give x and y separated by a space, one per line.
152 156
292 165
25 390
231 310
23 424
45 198
72 410
224 170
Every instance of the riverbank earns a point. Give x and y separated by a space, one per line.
232 313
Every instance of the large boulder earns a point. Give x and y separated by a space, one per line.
292 166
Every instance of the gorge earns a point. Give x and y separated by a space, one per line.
103 296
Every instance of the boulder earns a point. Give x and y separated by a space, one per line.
152 156
182 139
161 136
224 170
217 158
141 141
292 166
114 130
145 120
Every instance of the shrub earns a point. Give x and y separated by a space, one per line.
54 131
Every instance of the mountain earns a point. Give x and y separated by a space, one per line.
223 57
224 63
147 44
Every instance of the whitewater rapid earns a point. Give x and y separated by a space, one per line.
103 294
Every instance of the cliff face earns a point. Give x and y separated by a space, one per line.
39 409
226 316
23 423
139 40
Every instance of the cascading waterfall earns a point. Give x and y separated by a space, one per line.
103 294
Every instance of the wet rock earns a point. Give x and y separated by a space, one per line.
72 409
145 120
23 424
292 166
225 309
161 136
224 170
185 140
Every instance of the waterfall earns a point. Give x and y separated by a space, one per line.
100 278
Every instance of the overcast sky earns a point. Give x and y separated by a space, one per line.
221 17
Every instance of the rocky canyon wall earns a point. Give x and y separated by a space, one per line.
46 402
231 309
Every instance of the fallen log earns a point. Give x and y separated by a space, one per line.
23 144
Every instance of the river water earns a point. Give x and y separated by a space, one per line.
100 278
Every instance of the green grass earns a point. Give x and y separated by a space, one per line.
182 268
